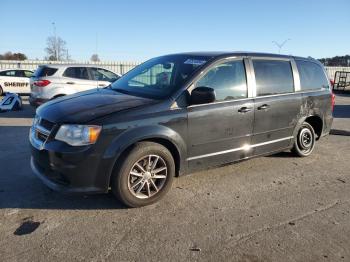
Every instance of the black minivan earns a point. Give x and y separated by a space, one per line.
178 113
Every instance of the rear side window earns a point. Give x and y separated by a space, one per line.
76 72
273 77
311 75
20 73
43 71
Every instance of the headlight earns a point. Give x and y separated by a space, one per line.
78 135
36 120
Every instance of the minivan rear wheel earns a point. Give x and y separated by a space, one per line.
304 142
144 176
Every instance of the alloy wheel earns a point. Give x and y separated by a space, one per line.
147 176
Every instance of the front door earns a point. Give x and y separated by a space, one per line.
220 132
22 83
276 105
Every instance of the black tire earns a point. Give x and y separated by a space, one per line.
124 183
304 142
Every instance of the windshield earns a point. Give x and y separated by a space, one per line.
159 77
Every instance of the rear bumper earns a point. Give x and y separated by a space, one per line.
327 125
35 101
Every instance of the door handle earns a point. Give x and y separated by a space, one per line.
70 83
101 85
264 107
244 109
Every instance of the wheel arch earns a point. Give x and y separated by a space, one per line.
315 121
317 124
57 96
158 134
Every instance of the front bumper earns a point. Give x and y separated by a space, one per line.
53 181
70 170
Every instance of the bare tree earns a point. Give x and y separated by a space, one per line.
56 48
95 58
13 56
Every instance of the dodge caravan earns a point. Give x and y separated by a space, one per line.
178 113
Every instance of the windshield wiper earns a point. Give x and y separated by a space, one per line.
123 91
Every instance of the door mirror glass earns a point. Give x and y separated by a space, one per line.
202 95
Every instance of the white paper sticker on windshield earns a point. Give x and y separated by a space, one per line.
194 62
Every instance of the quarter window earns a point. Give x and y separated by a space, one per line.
227 79
273 77
311 75
76 72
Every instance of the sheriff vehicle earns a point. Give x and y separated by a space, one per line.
15 81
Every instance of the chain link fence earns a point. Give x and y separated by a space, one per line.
120 67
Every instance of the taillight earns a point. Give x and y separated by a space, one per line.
332 83
41 83
333 101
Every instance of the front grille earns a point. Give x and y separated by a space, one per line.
41 136
46 124
43 129
41 132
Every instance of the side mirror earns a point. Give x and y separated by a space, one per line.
202 95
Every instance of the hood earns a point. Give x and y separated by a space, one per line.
86 106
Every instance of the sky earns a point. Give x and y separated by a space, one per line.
135 30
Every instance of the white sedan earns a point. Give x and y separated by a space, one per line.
15 81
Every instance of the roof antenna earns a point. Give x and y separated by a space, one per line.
281 45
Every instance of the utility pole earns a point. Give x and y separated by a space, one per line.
96 44
55 35
281 45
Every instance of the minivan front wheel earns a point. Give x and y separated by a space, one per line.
144 176
304 142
